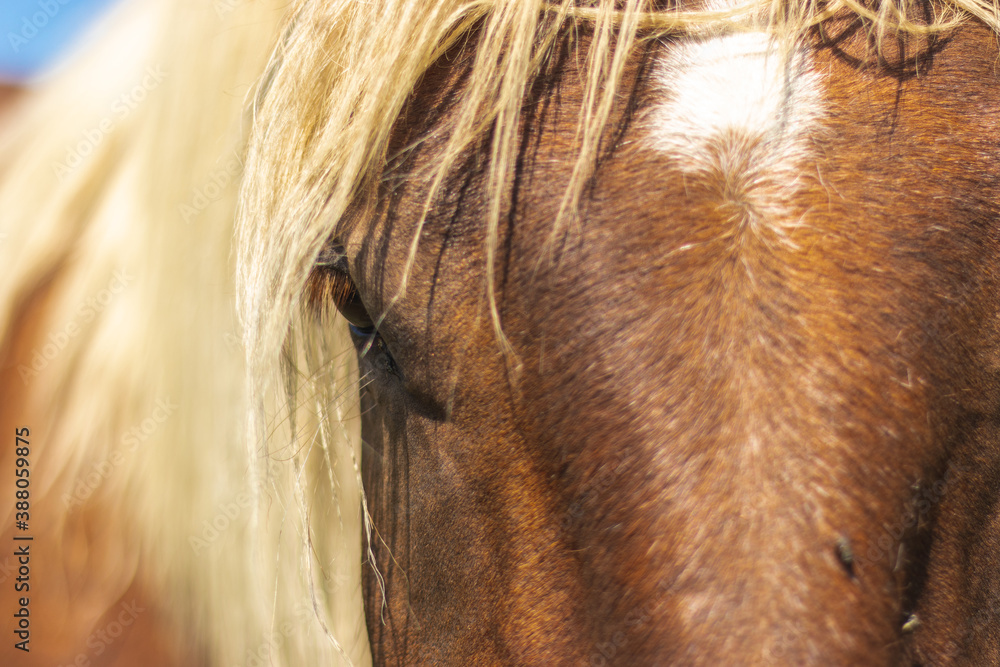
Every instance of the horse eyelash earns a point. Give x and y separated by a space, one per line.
330 281
331 284
328 285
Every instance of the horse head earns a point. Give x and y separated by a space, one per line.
674 345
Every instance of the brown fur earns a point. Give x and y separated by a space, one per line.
9 95
723 444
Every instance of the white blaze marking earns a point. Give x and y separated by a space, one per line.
737 93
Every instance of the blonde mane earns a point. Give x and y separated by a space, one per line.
249 530
120 330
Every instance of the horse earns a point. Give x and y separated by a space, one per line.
556 333
676 323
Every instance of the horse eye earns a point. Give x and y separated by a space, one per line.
331 283
347 300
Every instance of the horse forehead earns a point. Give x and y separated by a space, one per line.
739 95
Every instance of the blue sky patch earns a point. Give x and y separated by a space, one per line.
35 33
